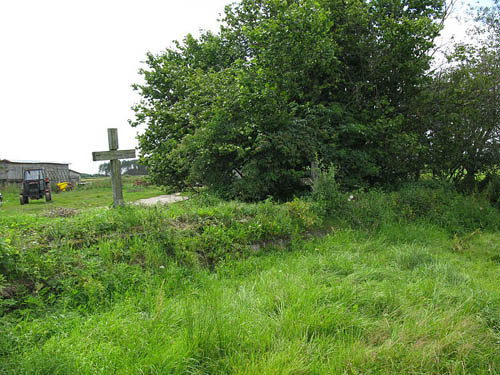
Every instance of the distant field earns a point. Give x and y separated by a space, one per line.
95 193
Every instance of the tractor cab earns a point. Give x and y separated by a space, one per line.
35 186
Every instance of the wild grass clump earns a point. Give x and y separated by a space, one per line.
434 203
10 188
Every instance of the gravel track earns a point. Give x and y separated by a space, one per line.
161 199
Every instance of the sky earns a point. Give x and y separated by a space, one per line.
67 66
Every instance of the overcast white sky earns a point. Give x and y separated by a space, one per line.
66 67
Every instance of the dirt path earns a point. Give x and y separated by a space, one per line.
162 199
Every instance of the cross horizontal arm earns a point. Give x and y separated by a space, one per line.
113 155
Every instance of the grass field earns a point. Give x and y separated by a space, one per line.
96 193
387 283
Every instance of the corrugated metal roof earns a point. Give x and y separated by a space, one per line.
32 162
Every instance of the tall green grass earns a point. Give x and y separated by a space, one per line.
365 282
43 258
341 304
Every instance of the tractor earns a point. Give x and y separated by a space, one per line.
35 186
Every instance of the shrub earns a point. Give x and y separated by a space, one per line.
465 214
430 202
326 192
489 189
419 200
369 210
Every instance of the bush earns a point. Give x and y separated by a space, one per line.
465 214
420 200
430 202
369 210
489 189
326 192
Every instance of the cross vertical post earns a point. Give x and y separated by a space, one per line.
114 155
116 170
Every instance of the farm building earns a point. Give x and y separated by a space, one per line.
12 171
74 177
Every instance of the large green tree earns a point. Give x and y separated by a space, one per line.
285 82
463 106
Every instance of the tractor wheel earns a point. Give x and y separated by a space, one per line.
23 199
48 196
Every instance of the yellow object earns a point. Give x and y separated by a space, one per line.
62 185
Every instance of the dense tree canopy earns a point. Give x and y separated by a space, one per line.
284 82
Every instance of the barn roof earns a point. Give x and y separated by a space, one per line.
31 162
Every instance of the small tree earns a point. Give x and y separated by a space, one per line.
105 168
246 111
133 168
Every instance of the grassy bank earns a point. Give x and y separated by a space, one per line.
359 283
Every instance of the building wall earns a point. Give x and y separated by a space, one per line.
12 172
74 177
4 167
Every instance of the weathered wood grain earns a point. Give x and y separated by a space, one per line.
113 155
113 138
116 172
116 182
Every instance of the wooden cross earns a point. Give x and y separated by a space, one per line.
114 155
